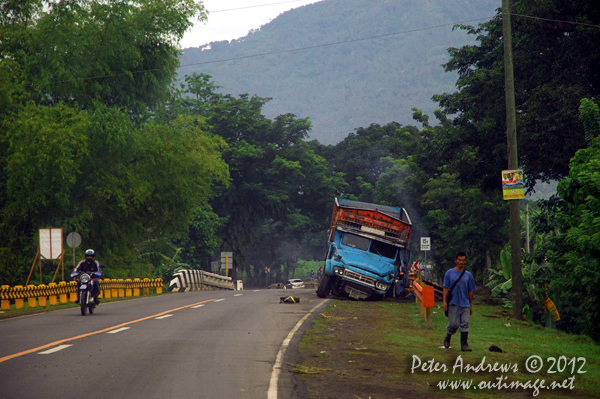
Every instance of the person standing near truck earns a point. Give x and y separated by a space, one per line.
460 307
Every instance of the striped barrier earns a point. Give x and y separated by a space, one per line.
425 299
66 291
199 280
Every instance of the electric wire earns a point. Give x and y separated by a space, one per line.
555 20
312 47
277 52
260 5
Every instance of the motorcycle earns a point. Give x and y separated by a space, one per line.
86 300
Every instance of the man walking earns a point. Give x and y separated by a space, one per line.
459 285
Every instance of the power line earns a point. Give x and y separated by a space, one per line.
260 5
555 20
277 52
318 45
333 43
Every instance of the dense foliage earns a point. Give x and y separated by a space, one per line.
95 138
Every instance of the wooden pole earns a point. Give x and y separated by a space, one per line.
511 135
32 266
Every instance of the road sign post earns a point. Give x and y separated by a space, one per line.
226 259
425 246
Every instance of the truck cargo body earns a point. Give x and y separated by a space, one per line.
367 249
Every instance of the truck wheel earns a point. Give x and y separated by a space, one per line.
323 289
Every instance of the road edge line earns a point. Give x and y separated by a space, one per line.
272 392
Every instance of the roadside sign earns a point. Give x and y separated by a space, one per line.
226 260
267 270
513 186
425 244
73 240
51 241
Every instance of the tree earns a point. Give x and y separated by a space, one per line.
554 68
359 156
440 187
99 174
575 254
462 219
78 52
274 172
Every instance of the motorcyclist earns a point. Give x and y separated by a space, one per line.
90 265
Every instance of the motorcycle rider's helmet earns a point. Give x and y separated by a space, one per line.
89 252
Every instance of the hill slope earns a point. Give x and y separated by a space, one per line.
344 86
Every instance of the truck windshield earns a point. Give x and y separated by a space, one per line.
383 249
375 247
355 241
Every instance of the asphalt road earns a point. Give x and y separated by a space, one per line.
210 344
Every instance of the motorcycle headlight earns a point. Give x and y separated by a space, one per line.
85 278
381 286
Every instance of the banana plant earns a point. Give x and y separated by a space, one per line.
533 276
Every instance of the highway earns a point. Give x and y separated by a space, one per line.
207 344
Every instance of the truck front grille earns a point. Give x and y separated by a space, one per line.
350 275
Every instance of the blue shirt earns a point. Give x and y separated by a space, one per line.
460 294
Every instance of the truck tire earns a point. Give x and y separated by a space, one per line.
323 289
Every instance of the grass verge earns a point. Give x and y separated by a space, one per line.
390 343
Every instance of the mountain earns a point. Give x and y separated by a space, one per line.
322 69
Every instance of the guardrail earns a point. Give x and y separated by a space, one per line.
199 280
66 291
438 290
425 299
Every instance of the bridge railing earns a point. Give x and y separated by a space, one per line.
199 280
66 291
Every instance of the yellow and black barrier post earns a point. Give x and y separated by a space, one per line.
53 293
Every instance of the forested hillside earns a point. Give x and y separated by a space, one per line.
345 86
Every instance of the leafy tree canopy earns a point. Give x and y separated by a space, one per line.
78 52
554 70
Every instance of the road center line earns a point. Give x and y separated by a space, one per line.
58 348
118 330
197 306
219 300
272 392
163 317
39 348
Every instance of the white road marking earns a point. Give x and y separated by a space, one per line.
163 317
272 392
197 306
256 291
238 294
219 300
118 330
55 349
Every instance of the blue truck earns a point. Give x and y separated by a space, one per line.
367 250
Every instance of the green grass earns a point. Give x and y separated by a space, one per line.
518 340
400 330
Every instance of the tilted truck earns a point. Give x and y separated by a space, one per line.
368 250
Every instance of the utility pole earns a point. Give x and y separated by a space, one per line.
513 163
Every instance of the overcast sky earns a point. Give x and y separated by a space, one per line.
232 19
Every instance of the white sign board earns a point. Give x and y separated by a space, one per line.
425 244
226 260
51 243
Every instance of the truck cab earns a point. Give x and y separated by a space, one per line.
367 249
